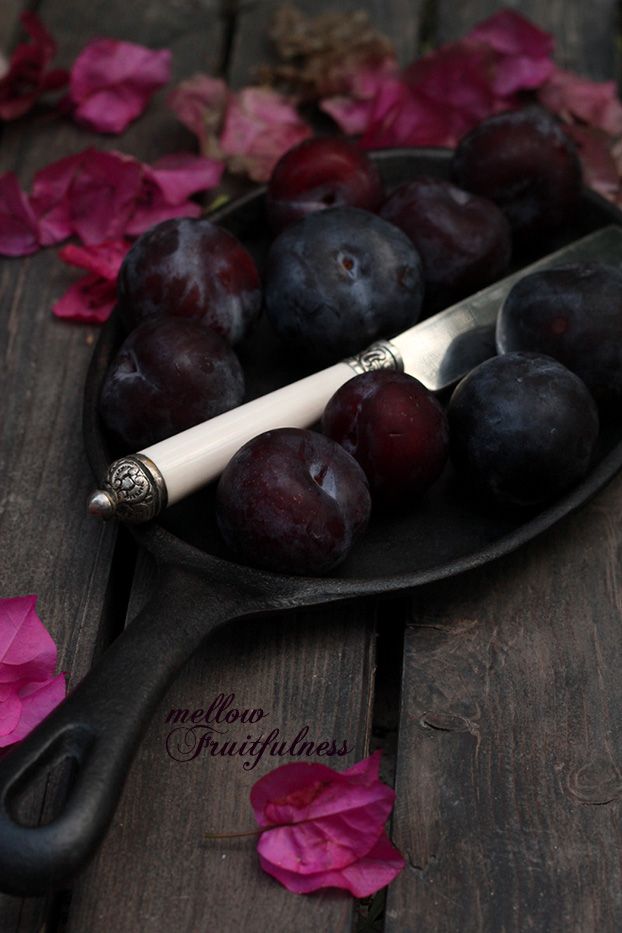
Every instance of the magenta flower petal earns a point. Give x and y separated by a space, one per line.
35 706
593 102
600 170
512 34
28 688
50 199
112 82
322 819
368 874
103 195
350 115
10 709
19 229
105 259
200 104
402 117
260 125
166 187
27 650
182 175
27 76
91 299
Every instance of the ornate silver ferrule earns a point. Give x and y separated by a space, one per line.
380 355
133 491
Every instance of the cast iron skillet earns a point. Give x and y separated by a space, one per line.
200 588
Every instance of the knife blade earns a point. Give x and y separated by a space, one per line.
438 352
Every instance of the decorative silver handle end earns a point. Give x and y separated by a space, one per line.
133 491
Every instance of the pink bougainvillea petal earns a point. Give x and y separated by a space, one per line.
523 51
456 81
91 299
361 878
200 103
296 791
28 688
181 175
104 259
103 195
350 115
112 82
260 125
27 650
593 102
35 706
50 199
400 117
600 170
352 112
19 229
316 819
27 75
167 186
10 709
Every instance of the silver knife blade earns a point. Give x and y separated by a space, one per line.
442 349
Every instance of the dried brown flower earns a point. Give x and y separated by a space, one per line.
317 55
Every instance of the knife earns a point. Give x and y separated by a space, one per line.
438 352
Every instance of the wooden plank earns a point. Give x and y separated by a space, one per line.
9 24
48 545
585 35
511 741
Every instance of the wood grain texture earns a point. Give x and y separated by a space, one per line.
510 769
585 34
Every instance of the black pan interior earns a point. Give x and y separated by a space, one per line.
447 531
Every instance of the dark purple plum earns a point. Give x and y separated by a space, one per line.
340 278
292 501
524 162
191 269
464 241
320 173
170 374
395 428
574 314
522 428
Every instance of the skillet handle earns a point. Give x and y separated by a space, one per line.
99 726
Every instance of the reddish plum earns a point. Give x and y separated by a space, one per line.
320 173
524 162
394 427
340 278
574 314
292 501
523 428
464 241
169 375
191 269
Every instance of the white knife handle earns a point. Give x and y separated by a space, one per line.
139 486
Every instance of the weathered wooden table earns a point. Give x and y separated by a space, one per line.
505 683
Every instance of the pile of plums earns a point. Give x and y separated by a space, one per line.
348 265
